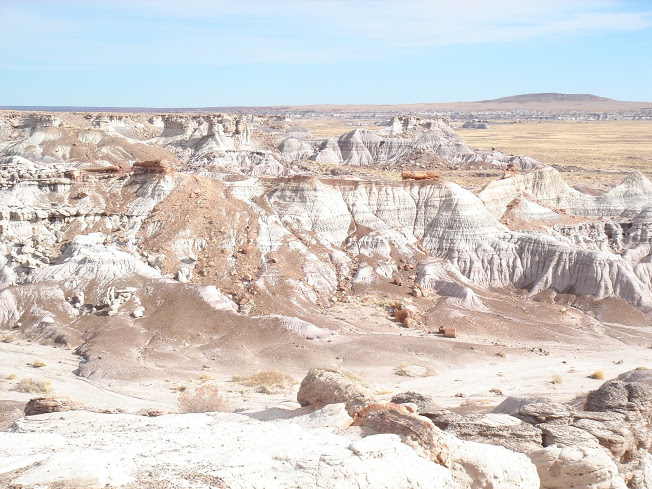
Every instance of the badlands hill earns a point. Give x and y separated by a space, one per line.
159 246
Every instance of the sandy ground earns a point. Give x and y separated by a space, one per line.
460 373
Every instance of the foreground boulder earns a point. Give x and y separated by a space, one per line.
323 386
565 467
621 397
605 444
643 376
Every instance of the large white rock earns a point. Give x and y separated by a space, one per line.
233 450
573 466
480 466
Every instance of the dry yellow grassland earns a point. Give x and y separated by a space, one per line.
325 128
613 146
605 150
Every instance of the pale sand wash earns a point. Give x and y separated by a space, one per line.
217 258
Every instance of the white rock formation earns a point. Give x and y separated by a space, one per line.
232 450
435 138
50 200
573 466
88 259
480 466
546 187
298 326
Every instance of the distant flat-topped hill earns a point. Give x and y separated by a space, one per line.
547 98
553 103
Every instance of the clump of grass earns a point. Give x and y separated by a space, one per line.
351 375
496 391
641 368
205 378
7 339
178 388
407 370
31 386
401 369
475 402
556 379
12 376
597 375
38 363
265 380
204 399
501 354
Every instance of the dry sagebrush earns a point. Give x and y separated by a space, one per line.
204 399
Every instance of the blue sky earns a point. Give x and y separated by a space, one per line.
198 53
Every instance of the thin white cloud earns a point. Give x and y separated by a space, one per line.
426 23
443 22
220 33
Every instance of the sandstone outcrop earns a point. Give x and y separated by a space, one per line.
493 429
623 426
642 376
604 445
44 405
573 466
473 465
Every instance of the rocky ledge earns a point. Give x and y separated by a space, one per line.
342 434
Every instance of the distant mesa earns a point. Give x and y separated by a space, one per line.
549 98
